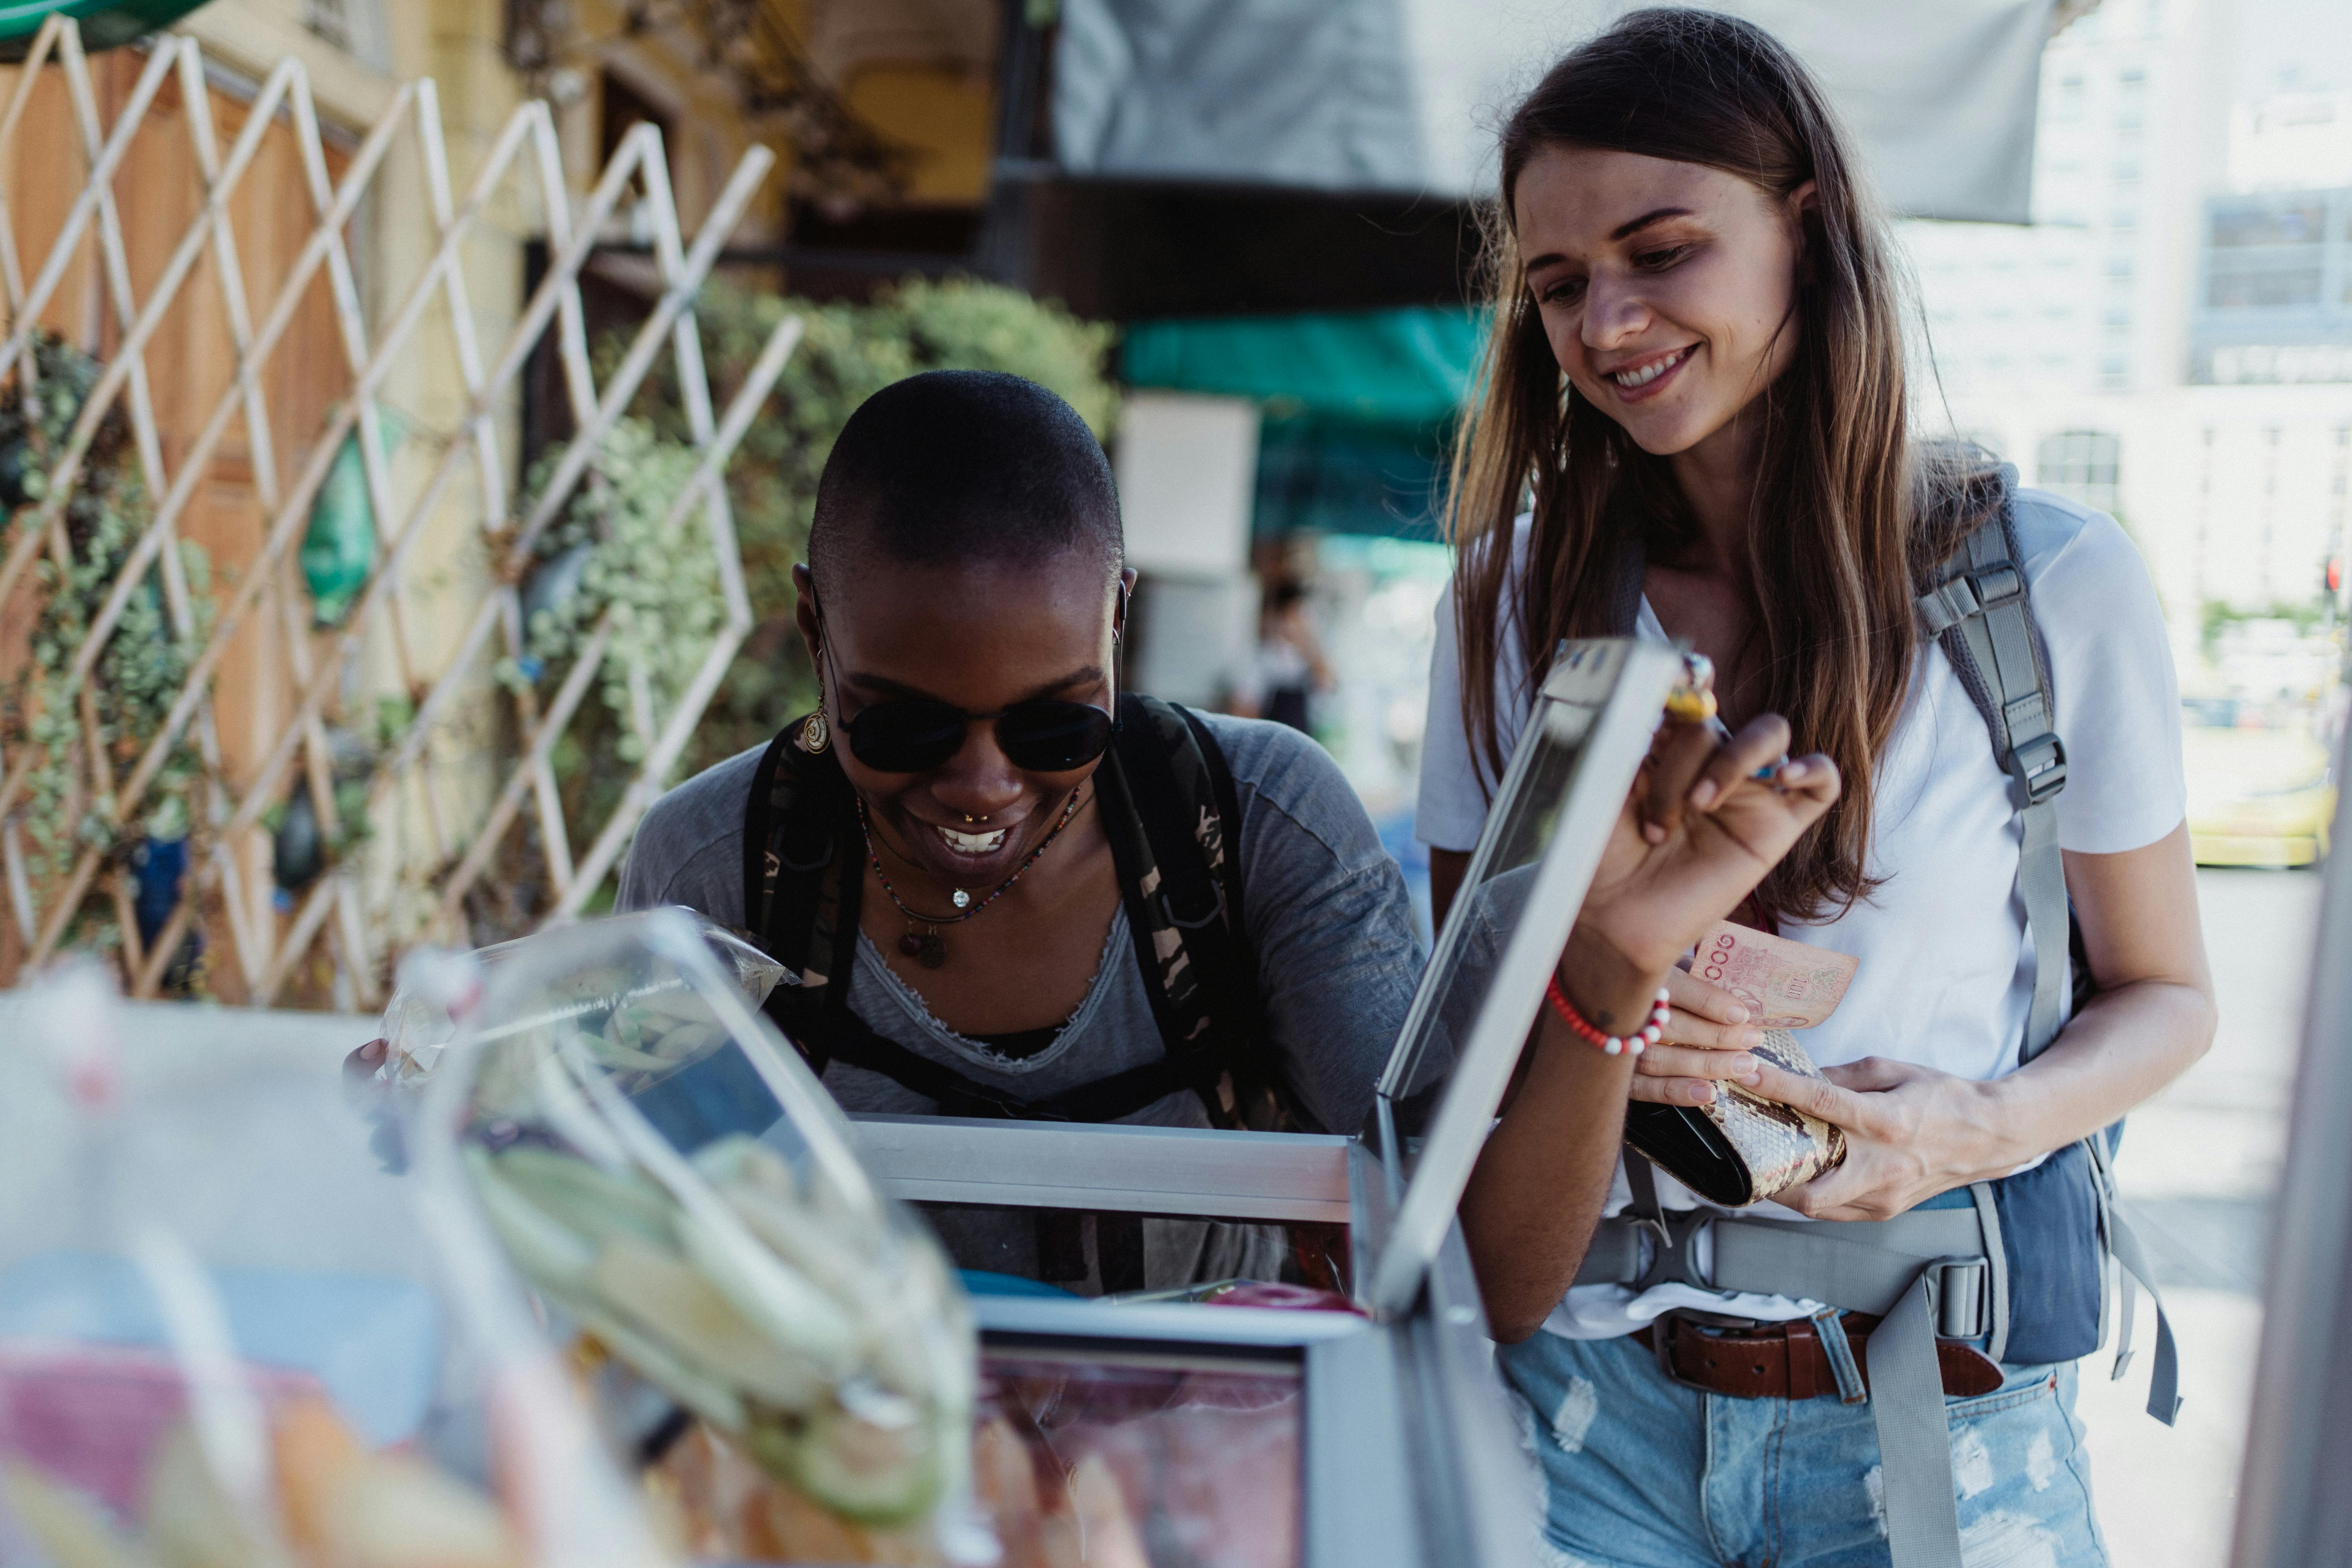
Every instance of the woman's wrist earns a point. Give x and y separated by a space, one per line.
1611 991
1996 1112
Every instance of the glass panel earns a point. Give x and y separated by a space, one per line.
1544 838
1493 894
2256 287
1139 1460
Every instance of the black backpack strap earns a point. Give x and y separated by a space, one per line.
801 886
1178 845
1976 605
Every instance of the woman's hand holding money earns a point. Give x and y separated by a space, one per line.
1707 817
1708 1038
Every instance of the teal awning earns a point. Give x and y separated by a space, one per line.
1316 474
1390 367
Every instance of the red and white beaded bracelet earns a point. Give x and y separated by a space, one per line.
1636 1042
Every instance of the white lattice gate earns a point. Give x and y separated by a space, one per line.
99 611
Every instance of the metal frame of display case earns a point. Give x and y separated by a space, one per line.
2293 1506
1411 1452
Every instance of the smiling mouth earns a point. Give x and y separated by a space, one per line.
1634 380
973 844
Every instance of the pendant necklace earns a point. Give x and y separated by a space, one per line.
922 941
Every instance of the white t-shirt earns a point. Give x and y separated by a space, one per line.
1947 972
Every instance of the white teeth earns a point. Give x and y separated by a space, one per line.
1630 378
973 843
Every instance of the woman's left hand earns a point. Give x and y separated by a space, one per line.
1910 1133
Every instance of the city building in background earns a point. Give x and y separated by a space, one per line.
2170 340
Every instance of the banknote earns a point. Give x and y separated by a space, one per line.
1786 985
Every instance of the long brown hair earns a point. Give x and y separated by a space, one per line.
1856 509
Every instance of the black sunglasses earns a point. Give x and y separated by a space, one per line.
916 734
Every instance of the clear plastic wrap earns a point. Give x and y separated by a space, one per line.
229 1340
683 1195
436 987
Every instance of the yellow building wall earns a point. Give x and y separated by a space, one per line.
947 118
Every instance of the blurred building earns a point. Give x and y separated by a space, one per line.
2170 339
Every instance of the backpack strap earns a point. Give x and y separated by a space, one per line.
1177 842
1978 606
798 901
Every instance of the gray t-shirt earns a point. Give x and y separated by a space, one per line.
1327 915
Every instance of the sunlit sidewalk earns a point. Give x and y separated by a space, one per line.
2201 1166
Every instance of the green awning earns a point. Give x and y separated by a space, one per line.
105 24
1401 367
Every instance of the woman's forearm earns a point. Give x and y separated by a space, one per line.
2153 1015
1529 1210
1539 1185
2124 1047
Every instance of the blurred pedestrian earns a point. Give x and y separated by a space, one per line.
1695 426
1286 670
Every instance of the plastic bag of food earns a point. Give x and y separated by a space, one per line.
435 986
228 1339
681 1193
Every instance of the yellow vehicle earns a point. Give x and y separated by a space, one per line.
2256 796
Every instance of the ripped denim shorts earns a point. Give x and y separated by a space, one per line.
1640 1472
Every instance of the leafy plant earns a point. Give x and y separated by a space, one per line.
82 739
616 554
2216 617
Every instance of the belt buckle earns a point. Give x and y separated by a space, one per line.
1661 1339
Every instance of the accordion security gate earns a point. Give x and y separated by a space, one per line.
521 168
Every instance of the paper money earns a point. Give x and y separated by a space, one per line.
1785 985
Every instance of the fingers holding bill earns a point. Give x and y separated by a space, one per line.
1693 766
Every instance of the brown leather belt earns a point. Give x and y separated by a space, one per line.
1788 1361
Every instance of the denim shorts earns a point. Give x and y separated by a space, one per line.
1640 1472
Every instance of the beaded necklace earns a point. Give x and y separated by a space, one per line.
926 946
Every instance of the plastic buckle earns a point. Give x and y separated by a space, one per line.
2039 765
1672 1258
1996 586
1216 910
1957 1286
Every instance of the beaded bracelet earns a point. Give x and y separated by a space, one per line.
1636 1042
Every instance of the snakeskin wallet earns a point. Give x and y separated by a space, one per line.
1741 1149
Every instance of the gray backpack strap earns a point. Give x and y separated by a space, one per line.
1979 610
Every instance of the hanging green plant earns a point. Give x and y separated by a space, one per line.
79 739
616 551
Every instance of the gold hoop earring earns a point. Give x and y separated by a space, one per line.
816 734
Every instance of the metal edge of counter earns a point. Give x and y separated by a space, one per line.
1109 1167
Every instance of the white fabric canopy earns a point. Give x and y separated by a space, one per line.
1405 95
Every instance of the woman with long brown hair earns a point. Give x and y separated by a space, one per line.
1694 425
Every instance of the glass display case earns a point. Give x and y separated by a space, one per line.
1371 1429
728 1266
